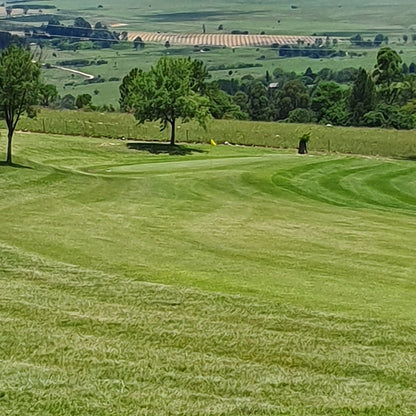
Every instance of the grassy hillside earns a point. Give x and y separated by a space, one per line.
365 141
204 281
186 15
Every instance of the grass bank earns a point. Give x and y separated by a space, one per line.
364 141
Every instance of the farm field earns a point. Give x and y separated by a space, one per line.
122 59
220 40
137 278
264 15
185 18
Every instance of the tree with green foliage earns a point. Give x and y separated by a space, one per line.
83 100
240 98
328 103
280 76
19 88
174 88
138 43
127 91
356 40
293 95
374 118
258 102
67 102
221 104
386 115
344 75
103 38
388 76
362 97
81 22
388 68
47 94
301 115
274 109
378 40
408 89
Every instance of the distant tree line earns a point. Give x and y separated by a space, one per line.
319 49
81 29
358 40
379 39
7 39
382 97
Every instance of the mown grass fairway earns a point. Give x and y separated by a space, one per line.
198 280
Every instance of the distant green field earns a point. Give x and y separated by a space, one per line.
144 279
189 16
343 19
123 59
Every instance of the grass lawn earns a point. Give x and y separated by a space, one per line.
141 279
364 141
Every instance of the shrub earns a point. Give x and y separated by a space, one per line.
301 115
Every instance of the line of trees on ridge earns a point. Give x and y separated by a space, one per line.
382 97
179 88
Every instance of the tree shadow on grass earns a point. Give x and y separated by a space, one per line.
164 148
410 157
14 165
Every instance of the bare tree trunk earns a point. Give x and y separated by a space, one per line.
9 147
172 133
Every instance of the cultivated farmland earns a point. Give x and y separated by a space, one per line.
227 40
